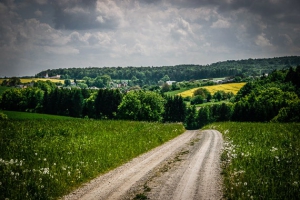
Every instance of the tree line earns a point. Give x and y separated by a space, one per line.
273 97
151 75
97 104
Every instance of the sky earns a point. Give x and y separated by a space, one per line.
37 35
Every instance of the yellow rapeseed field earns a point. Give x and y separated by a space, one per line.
229 87
28 80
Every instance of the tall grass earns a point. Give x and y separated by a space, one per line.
45 159
260 160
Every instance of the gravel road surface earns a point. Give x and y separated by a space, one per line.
187 167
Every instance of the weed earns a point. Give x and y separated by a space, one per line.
147 188
260 160
140 197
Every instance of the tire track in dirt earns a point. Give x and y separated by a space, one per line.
186 167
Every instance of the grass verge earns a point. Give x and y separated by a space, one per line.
260 160
45 159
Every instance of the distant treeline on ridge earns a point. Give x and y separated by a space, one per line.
150 75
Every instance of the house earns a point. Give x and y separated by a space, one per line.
170 82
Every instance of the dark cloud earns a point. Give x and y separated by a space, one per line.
151 1
84 14
42 34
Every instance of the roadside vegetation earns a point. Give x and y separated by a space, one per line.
44 159
260 160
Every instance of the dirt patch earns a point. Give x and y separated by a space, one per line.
187 167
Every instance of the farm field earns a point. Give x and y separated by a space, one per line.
260 160
28 80
45 159
229 87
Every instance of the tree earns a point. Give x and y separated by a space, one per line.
204 116
165 78
142 106
175 86
197 100
191 118
106 79
107 102
175 109
45 85
76 104
203 92
165 87
98 82
14 81
29 99
219 95
67 82
289 113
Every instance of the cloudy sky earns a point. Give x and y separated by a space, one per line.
36 35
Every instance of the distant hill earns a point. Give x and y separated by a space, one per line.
150 75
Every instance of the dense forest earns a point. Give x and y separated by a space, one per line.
151 75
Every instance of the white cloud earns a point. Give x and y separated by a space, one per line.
38 13
221 24
65 50
262 41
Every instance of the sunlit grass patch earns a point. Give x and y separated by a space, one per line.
44 159
260 160
229 87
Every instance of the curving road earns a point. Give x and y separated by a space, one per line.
187 167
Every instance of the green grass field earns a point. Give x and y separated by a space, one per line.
26 115
260 160
46 158
175 92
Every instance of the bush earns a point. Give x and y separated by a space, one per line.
197 100
3 116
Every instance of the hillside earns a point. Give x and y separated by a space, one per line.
151 75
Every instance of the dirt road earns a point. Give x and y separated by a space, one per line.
186 167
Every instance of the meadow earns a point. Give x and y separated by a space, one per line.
27 115
229 87
260 160
47 158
